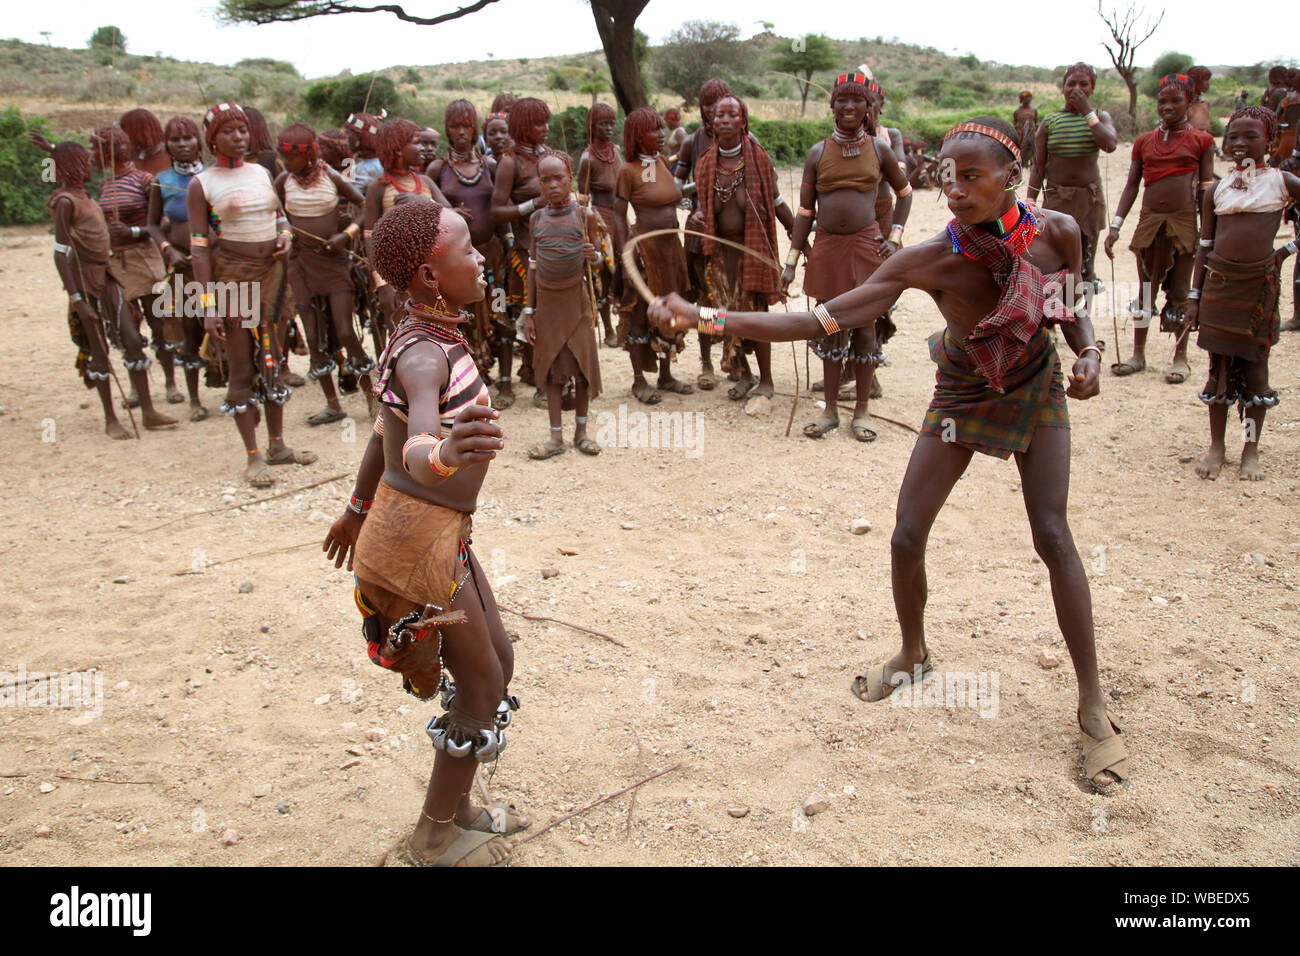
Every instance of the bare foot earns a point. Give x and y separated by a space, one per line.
155 419
115 431
1211 464
1251 469
505 396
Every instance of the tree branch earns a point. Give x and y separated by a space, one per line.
280 11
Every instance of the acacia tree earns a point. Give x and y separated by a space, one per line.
697 50
806 55
1124 31
615 22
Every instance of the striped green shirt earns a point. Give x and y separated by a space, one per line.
1068 135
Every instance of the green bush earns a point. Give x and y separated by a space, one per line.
931 126
747 89
332 100
26 179
788 141
267 64
556 80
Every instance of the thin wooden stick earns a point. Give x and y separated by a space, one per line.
241 557
11 776
556 620
68 776
794 356
245 504
594 804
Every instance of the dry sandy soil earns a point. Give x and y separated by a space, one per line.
745 605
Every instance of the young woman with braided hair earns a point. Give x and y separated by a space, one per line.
597 171
516 193
97 308
423 596
1066 147
1173 162
170 226
994 274
740 201
496 135
676 133
363 132
320 269
397 147
136 262
465 177
645 183
693 147
234 201
1236 284
1198 111
841 178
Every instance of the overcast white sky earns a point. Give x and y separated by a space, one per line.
1044 33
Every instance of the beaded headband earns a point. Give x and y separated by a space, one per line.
988 131
1175 78
212 114
356 122
295 147
852 78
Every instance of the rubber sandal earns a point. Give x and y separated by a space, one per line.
588 447
676 387
292 457
646 395
882 680
466 845
1106 753
1176 376
293 380
822 426
326 416
741 389
1121 369
860 430
501 819
706 381
541 452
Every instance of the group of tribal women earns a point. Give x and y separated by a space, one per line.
466 251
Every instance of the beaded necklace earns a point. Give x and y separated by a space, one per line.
850 146
724 191
1017 235
426 318
187 169
605 152
415 180
455 157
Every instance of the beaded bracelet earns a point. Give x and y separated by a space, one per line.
712 321
829 325
360 505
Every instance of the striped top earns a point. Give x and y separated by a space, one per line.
557 245
125 198
464 384
1069 135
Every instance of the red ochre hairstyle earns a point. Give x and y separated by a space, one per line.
182 126
298 137
391 140
143 128
563 157
1180 80
111 146
1267 117
639 122
72 164
333 146
503 103
524 115
597 115
219 116
459 112
259 134
404 237
1200 75
744 110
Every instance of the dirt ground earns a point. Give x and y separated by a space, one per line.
745 604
